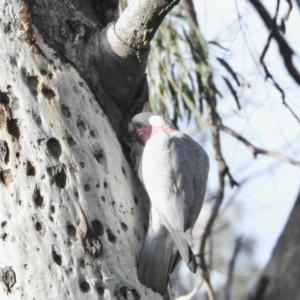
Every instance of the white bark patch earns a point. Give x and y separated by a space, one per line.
70 223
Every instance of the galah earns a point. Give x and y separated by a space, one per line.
174 169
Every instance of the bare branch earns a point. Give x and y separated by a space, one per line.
210 291
271 35
189 9
256 151
191 294
285 50
223 171
287 14
273 31
140 20
228 287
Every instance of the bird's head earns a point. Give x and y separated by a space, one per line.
144 125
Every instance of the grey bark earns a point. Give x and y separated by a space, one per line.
281 277
74 30
72 212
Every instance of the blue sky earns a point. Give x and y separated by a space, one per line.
272 187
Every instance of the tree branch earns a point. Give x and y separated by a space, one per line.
285 50
140 20
189 9
274 32
228 287
256 151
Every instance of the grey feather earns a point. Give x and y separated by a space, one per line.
155 259
174 170
183 247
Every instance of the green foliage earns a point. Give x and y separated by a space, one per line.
180 77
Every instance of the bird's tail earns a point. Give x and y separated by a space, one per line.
155 260
183 246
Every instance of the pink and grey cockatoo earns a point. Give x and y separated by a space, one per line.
174 170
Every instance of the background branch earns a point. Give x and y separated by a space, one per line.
228 287
285 50
256 150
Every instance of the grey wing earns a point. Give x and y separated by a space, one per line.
175 178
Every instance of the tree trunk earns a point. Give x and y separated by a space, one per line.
280 279
73 214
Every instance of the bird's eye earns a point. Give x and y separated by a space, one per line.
138 124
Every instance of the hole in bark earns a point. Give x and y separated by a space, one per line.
38 199
135 295
124 172
97 227
72 231
51 170
103 198
47 92
105 184
4 236
124 227
52 209
100 290
4 98
53 147
30 169
8 278
43 72
85 287
71 141
56 257
39 141
82 164
83 264
98 153
66 111
86 187
61 178
38 226
13 128
4 152
121 292
111 237
7 177
92 133
32 83
3 224
41 228
81 127
136 200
